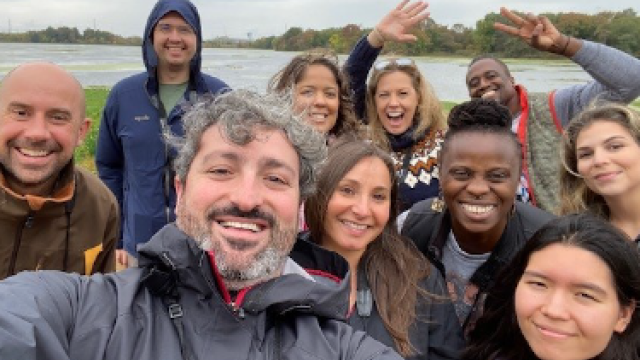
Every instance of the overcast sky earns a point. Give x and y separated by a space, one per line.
237 18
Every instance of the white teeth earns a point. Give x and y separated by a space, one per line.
489 94
34 153
239 225
478 209
354 225
394 114
318 116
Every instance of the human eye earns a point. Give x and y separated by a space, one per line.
220 172
331 94
615 146
276 180
185 30
346 190
164 28
380 197
583 295
383 95
306 92
19 112
459 173
584 154
498 176
473 82
536 284
60 117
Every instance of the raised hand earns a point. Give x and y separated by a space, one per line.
537 31
397 24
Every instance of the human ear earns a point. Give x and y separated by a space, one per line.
626 312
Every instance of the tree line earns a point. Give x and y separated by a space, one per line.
618 29
69 35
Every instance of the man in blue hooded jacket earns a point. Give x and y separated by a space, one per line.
132 157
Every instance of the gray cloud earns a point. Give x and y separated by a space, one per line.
236 18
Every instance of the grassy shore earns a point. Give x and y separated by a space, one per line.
97 97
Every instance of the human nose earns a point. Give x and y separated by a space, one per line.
555 306
247 194
600 157
477 187
37 129
319 99
393 100
361 206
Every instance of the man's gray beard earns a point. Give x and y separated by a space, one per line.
266 265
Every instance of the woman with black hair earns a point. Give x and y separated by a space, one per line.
570 294
476 226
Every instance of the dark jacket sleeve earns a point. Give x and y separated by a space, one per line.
109 153
445 333
357 345
36 315
419 224
357 67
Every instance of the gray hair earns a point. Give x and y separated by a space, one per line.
240 114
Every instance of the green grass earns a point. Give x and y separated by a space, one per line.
96 98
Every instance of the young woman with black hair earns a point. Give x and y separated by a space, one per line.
570 294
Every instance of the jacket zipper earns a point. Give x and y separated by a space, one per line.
237 310
28 222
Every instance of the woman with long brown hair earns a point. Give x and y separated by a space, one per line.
397 297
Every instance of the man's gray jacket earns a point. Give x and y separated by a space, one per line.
52 315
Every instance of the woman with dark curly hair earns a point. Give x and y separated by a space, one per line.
397 297
320 91
570 294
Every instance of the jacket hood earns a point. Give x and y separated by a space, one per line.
327 296
190 14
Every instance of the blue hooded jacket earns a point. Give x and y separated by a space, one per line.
131 156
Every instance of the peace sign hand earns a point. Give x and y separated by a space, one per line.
537 31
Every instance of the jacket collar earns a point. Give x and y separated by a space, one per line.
285 294
62 192
509 243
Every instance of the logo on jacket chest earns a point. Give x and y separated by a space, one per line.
140 118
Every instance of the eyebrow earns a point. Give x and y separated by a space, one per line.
614 137
356 182
580 285
221 154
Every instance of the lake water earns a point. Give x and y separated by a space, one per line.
104 65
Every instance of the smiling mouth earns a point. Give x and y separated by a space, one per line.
318 117
478 209
552 333
36 153
607 176
241 226
395 116
353 225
